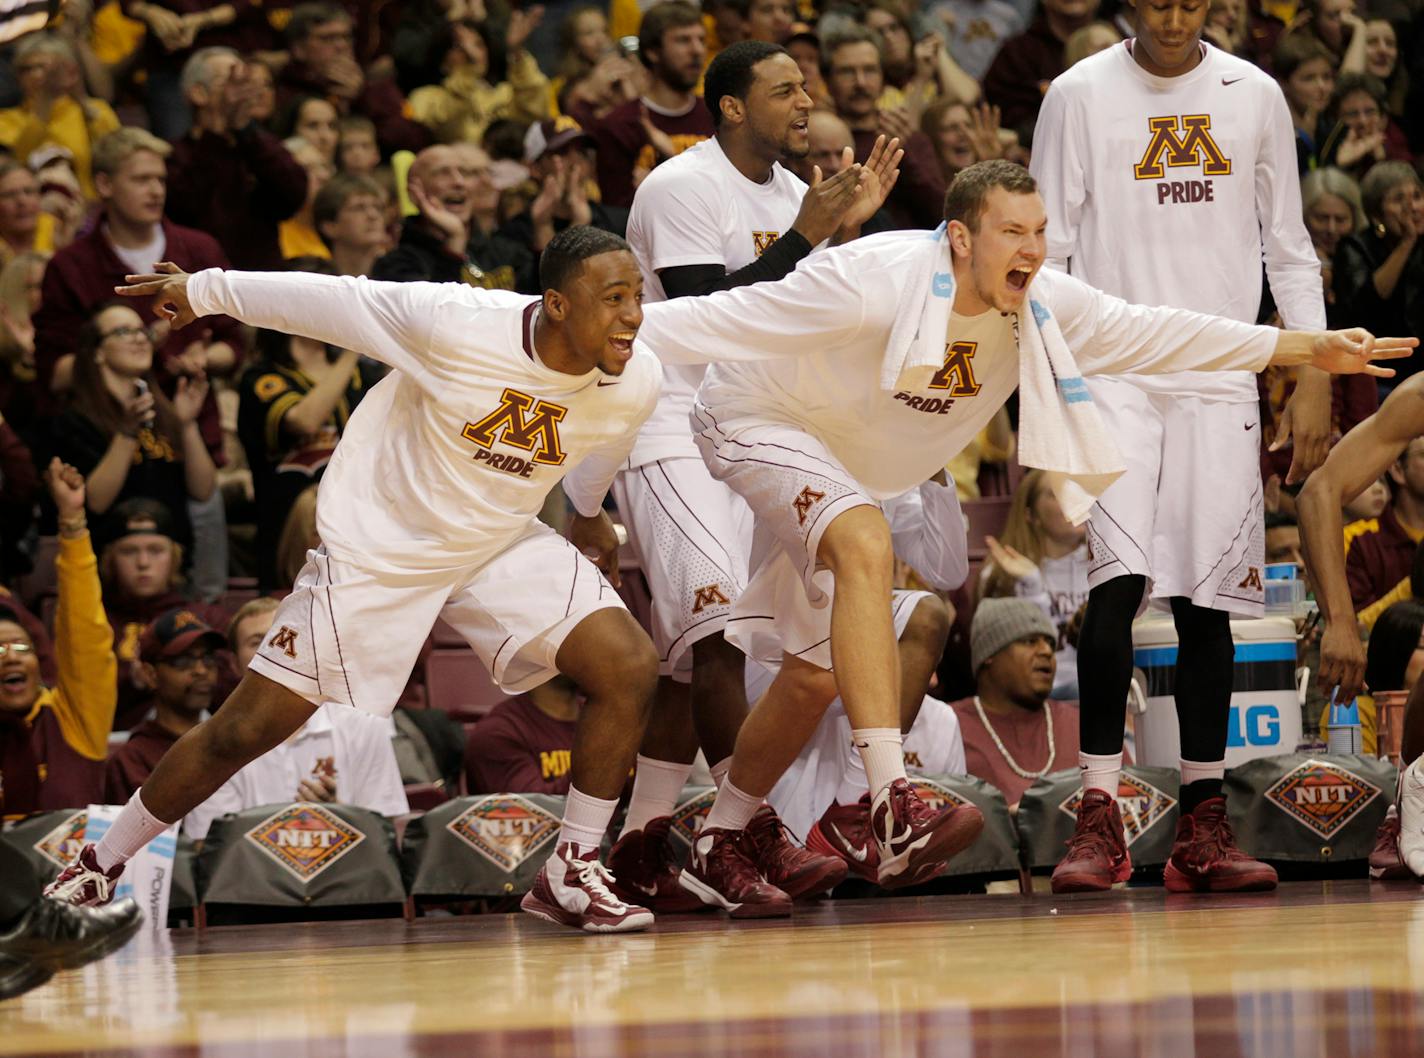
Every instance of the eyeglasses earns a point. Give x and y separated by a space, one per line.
125 332
20 650
188 662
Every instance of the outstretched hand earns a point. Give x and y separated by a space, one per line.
1351 352
168 286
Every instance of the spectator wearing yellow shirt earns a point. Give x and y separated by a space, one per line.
55 109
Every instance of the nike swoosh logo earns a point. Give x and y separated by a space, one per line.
602 383
858 854
1232 81
1251 426
646 890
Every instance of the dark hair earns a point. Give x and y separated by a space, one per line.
964 201
853 34
504 139
1393 642
670 14
731 73
1295 50
276 346
286 119
306 17
92 398
563 258
1280 520
9 613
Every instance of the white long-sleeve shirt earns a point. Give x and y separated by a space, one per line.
449 458
806 351
1176 191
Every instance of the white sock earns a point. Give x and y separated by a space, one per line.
1101 771
134 829
854 783
585 820
656 786
733 809
1192 770
719 771
883 752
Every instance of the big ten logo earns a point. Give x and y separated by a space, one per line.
522 422
1254 725
1179 142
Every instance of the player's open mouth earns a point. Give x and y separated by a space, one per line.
1019 277
802 125
622 342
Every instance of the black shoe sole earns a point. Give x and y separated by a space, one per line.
25 977
103 945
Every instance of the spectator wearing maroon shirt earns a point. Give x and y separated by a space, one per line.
524 744
850 62
1382 554
179 661
669 118
321 39
228 176
1021 72
1013 732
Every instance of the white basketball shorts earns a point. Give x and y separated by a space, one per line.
349 636
692 534
1188 514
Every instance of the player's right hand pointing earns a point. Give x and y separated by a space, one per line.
168 286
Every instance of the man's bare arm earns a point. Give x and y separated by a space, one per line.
1359 459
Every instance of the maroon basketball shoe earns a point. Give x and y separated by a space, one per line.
797 872
843 831
721 874
1386 863
914 840
645 870
83 884
571 889
1206 859
1097 856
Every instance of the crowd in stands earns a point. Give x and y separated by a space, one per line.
157 485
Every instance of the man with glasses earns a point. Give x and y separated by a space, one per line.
350 216
180 665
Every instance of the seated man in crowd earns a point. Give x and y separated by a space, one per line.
53 740
524 744
1013 732
558 156
141 564
179 661
452 239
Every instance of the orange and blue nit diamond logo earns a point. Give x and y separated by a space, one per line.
305 839
505 830
1322 797
62 844
691 814
1142 805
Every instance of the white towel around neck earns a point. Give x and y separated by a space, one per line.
1060 431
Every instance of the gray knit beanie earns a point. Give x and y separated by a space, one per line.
999 622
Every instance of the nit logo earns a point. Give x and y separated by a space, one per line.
1252 580
305 839
504 829
937 795
709 596
1142 805
691 814
762 240
1321 797
804 501
522 422
62 844
1194 146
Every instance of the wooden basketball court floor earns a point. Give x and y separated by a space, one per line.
1316 970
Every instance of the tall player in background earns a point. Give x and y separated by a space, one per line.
1169 172
723 214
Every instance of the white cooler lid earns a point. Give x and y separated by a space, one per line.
1158 630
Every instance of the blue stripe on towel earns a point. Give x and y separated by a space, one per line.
1040 314
1074 391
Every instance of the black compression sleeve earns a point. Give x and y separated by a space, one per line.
779 259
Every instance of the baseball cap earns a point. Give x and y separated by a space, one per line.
136 515
174 632
551 134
